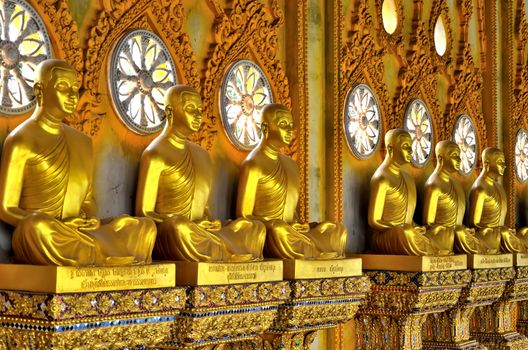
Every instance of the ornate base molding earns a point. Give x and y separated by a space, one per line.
100 320
400 303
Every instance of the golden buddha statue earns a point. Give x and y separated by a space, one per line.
445 203
488 206
393 200
269 190
173 189
46 186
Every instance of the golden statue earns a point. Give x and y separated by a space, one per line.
393 200
488 206
269 190
445 203
173 189
46 186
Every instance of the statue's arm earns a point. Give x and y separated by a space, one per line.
431 194
476 203
378 189
150 169
247 189
14 157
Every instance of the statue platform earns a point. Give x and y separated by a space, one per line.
298 269
406 290
98 307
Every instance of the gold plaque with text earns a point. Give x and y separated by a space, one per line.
311 269
413 263
489 261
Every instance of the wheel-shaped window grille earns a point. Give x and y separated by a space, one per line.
245 91
362 121
521 155
25 43
141 71
419 124
465 136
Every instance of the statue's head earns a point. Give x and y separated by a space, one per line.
399 146
494 161
448 155
277 125
56 87
183 109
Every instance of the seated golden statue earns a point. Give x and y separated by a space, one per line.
445 203
46 186
488 206
173 189
393 200
269 190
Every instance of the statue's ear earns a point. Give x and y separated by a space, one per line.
264 129
168 114
486 164
37 88
389 150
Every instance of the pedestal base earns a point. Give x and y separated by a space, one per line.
400 301
95 320
226 313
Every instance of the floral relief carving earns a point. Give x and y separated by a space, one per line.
520 92
362 62
247 30
164 17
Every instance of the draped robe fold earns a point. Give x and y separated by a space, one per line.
56 184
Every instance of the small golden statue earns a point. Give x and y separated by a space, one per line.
46 186
445 203
269 190
488 206
393 200
173 189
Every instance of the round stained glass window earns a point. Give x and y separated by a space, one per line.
419 124
25 43
464 135
141 71
245 91
521 155
362 121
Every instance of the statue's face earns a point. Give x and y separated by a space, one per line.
403 149
282 128
61 92
452 157
192 110
498 163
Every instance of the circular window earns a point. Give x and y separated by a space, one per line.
419 124
464 135
141 71
362 121
440 36
245 91
25 43
389 16
521 155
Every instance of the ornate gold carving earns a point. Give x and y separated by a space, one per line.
163 17
247 30
440 9
219 314
394 41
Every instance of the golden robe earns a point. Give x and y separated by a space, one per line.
276 198
183 192
56 184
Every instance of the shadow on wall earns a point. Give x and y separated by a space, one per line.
224 188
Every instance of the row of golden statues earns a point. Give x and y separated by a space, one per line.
46 193
393 201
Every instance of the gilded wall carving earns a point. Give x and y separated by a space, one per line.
115 18
247 30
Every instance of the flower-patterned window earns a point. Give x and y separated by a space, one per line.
464 134
245 91
141 71
521 155
440 36
362 121
25 43
389 16
418 123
